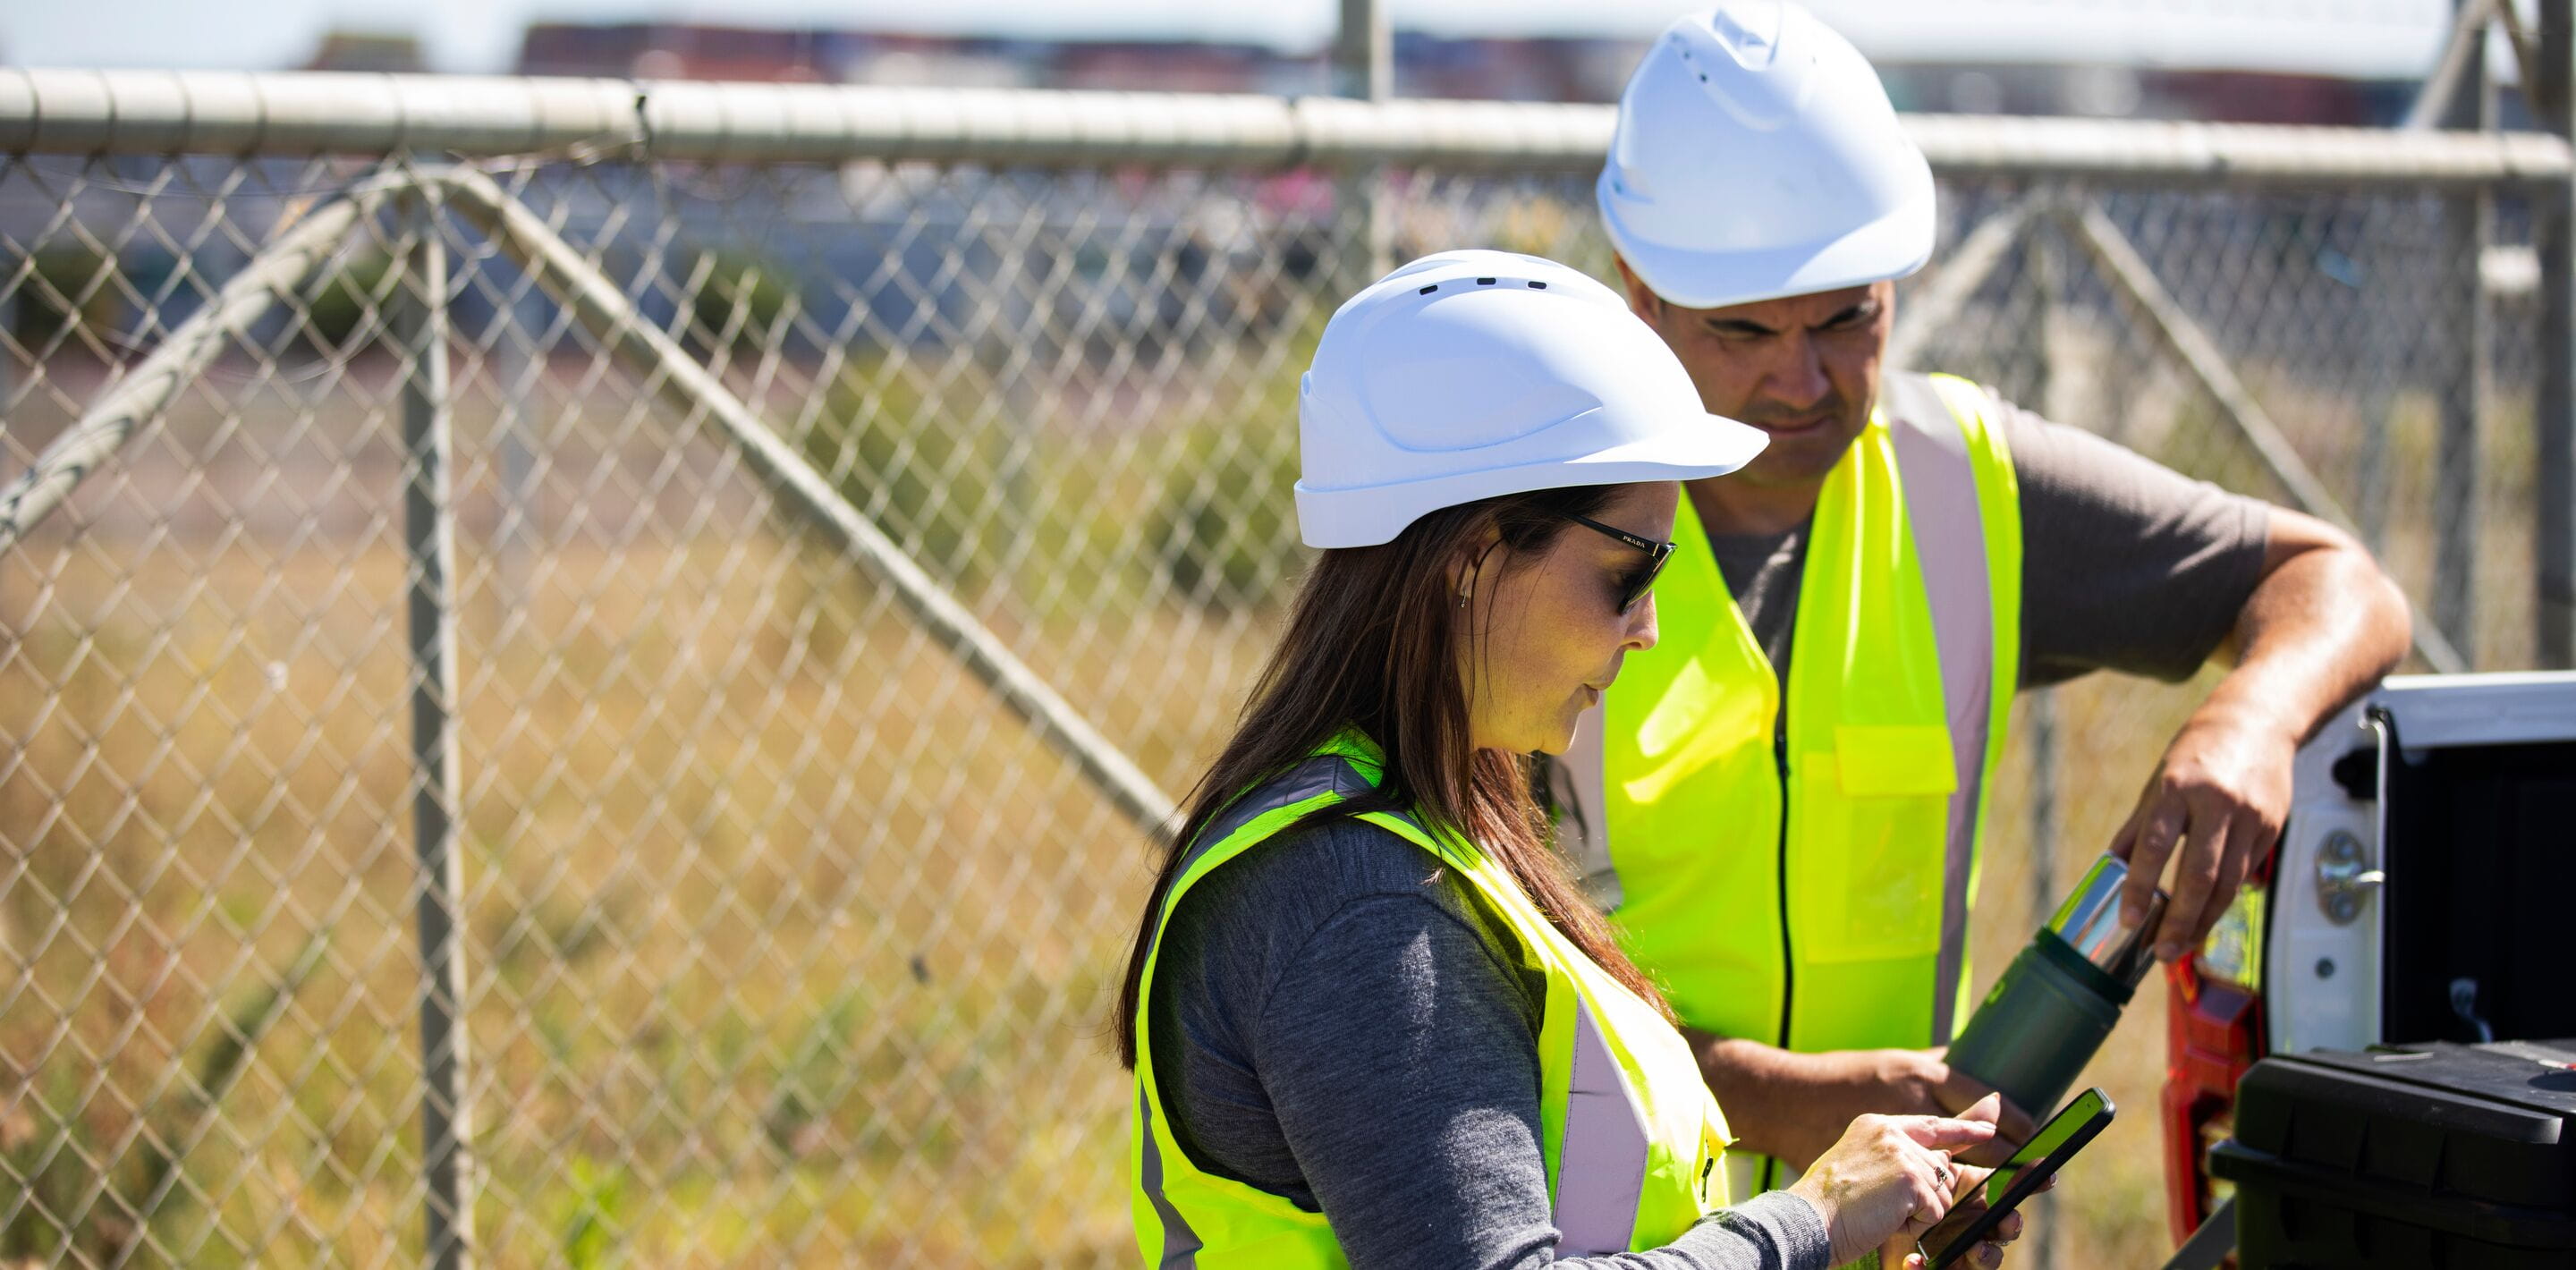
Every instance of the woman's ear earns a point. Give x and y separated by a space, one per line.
1474 566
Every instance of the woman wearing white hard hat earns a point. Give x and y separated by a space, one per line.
1372 1022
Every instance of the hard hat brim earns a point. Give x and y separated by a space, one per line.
1365 516
1892 246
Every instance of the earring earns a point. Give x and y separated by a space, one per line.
1462 599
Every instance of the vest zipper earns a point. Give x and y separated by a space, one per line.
1788 963
1788 958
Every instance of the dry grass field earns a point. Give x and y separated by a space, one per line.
762 960
786 946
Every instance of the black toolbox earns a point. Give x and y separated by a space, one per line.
2427 1157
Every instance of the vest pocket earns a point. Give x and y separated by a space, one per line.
1871 843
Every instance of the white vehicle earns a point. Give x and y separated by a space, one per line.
2423 890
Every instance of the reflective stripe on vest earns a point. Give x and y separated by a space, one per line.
1673 805
1631 1138
1941 507
1602 1164
1171 1242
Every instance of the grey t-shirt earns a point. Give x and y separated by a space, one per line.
1336 1021
2126 564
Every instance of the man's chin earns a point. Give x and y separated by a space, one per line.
1801 458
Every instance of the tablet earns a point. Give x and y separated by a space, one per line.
2080 1121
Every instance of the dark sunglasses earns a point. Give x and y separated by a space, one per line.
1638 581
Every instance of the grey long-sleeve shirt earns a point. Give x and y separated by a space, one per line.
1336 1021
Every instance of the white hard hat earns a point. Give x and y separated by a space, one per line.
1757 156
1471 374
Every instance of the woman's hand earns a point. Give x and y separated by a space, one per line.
1890 1179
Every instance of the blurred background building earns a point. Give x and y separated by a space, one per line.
1487 68
2286 61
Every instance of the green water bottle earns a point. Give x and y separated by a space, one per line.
2061 996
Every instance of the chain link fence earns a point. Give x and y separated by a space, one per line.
780 937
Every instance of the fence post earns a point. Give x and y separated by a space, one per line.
2056 396
9 365
2554 224
2039 715
446 1115
2467 385
1364 69
2383 353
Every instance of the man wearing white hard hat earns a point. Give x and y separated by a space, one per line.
1846 620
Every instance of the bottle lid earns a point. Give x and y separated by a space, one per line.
2089 922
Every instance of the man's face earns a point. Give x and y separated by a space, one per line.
1803 368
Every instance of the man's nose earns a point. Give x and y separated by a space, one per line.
1798 379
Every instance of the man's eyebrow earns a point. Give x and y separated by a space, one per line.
1858 309
1744 326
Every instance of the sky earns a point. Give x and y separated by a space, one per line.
2380 38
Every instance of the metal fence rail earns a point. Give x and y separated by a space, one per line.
660 644
167 112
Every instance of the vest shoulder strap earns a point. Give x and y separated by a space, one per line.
1312 785
1949 528
1320 774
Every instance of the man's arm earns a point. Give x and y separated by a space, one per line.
2322 625
1794 1105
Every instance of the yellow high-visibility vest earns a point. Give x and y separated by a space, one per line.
1803 878
1631 1138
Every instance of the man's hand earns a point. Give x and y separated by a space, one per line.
2321 626
1968 1203
1794 1106
2220 795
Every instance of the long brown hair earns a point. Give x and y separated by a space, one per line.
1372 643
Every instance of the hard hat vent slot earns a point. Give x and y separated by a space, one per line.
1429 289
1484 282
1538 286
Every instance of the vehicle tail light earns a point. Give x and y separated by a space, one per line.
2214 1031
